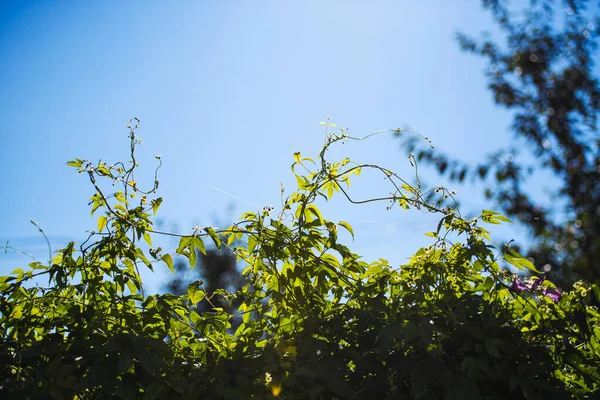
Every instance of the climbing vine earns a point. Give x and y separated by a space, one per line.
318 321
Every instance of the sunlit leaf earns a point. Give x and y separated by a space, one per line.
492 217
155 204
519 261
102 221
148 239
214 236
194 293
75 163
347 226
169 261
311 208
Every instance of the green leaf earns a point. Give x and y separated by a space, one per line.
148 239
75 163
192 257
184 244
315 211
492 217
120 197
132 287
517 260
120 208
95 205
347 226
198 243
330 186
194 293
214 236
187 247
17 312
232 237
155 204
169 261
408 188
303 182
102 170
372 270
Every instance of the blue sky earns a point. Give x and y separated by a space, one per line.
226 92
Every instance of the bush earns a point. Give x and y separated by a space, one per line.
318 322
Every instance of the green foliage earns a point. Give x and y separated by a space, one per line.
318 322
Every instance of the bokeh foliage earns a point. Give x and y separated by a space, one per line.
541 67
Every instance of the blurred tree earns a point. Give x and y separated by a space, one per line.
220 279
216 269
545 74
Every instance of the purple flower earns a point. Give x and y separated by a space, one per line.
554 294
518 286
538 282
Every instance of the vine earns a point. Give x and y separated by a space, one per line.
318 322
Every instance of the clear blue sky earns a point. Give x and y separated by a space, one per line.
226 92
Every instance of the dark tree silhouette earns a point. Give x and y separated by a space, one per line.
218 272
545 74
219 277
